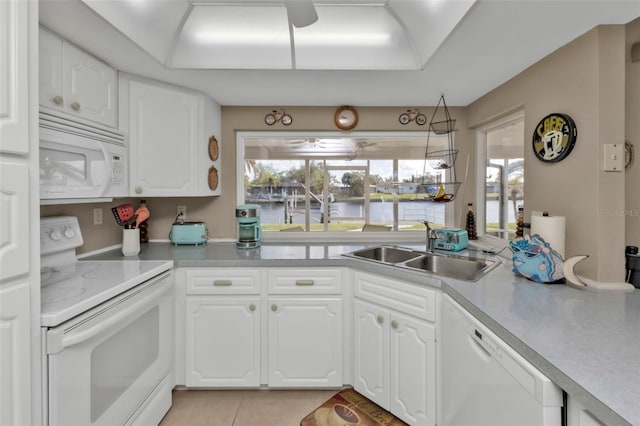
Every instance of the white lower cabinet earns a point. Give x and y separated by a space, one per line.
15 347
305 342
239 335
223 341
578 415
371 352
394 353
412 369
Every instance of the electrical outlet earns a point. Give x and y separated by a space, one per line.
181 212
97 216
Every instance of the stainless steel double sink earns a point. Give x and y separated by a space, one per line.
446 265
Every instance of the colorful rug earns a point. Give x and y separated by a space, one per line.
349 408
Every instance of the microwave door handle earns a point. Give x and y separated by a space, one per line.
107 170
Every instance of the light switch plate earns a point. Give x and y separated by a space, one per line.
613 157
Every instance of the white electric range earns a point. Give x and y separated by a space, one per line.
107 333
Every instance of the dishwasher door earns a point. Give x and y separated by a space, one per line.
485 382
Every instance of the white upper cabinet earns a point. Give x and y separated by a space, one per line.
14 83
170 129
75 82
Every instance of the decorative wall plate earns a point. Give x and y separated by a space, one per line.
213 178
213 148
554 137
629 154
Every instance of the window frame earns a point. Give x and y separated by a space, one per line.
481 169
321 236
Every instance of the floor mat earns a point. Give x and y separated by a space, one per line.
349 408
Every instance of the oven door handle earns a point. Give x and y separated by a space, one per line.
58 339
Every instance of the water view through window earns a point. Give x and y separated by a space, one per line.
341 184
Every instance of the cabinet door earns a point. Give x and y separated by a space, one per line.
412 371
15 355
14 77
223 342
371 352
14 227
578 415
163 140
305 342
50 63
89 86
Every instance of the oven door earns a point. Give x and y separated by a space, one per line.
104 364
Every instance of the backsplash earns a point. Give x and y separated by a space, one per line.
109 233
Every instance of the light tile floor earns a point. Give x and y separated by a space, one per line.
243 407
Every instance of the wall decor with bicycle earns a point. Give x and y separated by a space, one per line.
412 115
276 116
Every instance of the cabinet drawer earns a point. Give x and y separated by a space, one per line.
409 299
304 281
223 281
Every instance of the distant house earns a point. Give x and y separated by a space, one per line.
402 188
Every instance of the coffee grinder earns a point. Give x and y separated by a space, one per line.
632 264
249 230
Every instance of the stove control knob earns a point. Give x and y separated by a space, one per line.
55 235
69 233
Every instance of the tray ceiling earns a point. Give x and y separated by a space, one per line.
360 52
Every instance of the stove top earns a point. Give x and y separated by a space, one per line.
72 289
69 286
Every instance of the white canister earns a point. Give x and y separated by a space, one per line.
130 242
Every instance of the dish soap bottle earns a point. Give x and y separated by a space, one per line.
471 223
144 226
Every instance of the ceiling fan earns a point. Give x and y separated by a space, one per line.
334 144
301 13
312 143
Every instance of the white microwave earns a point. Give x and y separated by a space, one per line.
80 162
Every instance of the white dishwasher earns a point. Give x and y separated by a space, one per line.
485 382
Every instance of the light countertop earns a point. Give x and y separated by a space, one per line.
587 342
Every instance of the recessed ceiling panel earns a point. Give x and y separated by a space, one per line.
353 38
148 25
223 36
429 22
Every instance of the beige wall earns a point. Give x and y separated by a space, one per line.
218 212
584 79
632 128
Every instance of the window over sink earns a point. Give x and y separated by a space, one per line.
332 185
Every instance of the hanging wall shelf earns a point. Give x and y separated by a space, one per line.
445 187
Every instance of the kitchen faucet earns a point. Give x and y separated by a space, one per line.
431 237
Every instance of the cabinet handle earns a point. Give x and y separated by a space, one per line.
380 319
304 282
394 324
222 283
138 189
252 307
75 106
58 100
274 307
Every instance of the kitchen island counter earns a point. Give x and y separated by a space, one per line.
585 341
